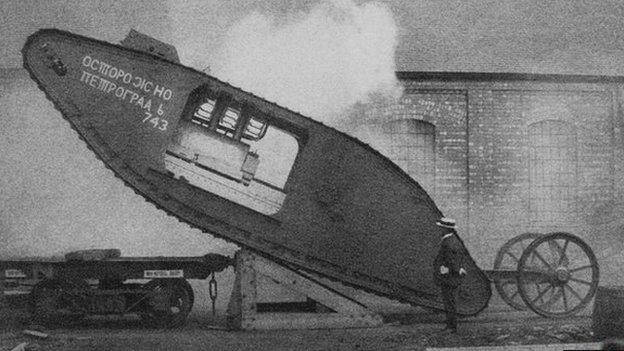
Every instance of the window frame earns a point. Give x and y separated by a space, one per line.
248 110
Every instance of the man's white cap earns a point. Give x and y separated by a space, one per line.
446 223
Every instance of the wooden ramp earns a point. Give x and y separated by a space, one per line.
315 305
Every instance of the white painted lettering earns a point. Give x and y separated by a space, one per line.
111 87
158 90
135 97
86 61
93 81
148 105
126 94
85 76
113 72
122 92
167 94
103 84
104 68
119 92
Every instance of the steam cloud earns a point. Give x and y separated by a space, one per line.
319 63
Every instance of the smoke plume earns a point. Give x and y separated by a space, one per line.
320 62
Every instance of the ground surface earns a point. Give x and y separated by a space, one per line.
202 332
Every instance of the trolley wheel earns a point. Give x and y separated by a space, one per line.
558 275
180 301
508 258
54 301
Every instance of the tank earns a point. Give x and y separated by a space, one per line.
247 170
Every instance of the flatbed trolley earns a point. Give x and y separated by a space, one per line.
94 282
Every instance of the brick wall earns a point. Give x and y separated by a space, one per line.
446 110
500 160
484 158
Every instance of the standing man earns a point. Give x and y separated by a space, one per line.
449 269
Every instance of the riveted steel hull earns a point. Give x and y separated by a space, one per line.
345 211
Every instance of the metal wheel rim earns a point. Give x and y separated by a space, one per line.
558 289
181 302
508 289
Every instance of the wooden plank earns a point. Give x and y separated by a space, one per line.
296 282
243 314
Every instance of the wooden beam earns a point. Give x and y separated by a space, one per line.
243 314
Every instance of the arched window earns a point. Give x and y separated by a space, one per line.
411 145
552 171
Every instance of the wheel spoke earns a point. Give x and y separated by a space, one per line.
567 267
541 294
565 298
563 252
580 281
580 268
554 247
538 287
552 299
539 290
574 292
537 254
513 256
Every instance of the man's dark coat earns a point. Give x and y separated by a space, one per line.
451 255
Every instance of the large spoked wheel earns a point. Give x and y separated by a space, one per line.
557 275
58 301
508 258
178 302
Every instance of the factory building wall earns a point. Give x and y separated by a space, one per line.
513 157
387 129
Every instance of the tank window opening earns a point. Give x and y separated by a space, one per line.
229 148
203 114
277 152
255 129
228 123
